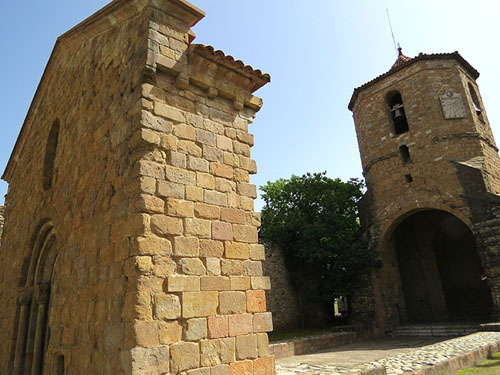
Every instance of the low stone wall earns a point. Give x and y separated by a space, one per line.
282 299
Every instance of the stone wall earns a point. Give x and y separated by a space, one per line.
440 164
1 223
141 210
282 299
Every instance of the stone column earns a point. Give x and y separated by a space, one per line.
24 299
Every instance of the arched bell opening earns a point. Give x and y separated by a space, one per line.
440 270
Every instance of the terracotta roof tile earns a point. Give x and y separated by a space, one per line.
235 64
404 61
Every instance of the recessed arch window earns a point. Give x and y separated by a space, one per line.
397 112
475 101
50 156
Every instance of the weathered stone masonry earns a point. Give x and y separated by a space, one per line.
432 205
141 244
1 223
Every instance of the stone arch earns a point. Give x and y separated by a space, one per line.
439 268
34 300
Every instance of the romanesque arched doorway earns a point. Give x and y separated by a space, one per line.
440 270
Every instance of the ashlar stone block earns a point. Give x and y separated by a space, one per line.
199 304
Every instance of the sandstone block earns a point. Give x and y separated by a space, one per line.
205 137
256 301
206 211
218 326
248 190
205 180
199 371
245 137
213 267
221 170
215 197
194 193
113 336
180 175
180 208
150 169
166 307
245 233
232 303
252 267
257 252
224 143
263 345
261 282
186 246
215 283
168 142
181 283
240 282
192 266
236 250
232 267
198 164
241 175
199 304
222 231
183 131
147 359
198 227
241 148
233 215
211 248
170 190
151 245
171 113
149 204
264 366
196 329
262 322
217 351
231 159
241 368
211 153
248 164
224 185
165 225
184 356
246 347
190 148
219 370
143 184
146 333
240 324
169 332
177 159
163 266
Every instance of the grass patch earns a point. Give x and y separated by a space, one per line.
489 367
296 333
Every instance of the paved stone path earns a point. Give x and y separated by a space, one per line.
396 355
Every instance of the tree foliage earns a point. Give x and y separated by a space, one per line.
314 219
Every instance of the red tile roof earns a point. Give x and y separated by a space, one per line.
404 61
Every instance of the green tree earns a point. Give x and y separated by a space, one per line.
314 219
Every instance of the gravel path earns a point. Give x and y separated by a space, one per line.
411 360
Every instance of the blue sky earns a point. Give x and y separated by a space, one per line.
316 51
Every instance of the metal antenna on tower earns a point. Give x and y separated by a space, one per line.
392 33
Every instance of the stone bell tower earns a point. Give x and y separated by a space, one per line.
432 207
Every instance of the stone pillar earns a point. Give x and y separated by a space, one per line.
196 290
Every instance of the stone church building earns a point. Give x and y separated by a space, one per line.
130 239
432 207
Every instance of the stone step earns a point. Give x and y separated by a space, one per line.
436 330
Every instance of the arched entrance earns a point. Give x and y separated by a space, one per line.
440 270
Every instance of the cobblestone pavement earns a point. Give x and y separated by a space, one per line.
409 360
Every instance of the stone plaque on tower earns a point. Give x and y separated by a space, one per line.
453 105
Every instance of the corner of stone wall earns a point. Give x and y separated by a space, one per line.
196 293
1 223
